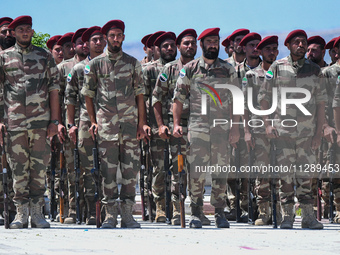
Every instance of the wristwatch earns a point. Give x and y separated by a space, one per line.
70 125
55 122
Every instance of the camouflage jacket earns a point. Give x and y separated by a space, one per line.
114 80
150 75
164 89
75 82
232 61
196 82
332 78
26 78
300 74
241 70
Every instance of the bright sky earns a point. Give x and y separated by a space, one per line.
148 16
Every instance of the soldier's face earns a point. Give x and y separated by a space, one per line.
57 53
250 49
298 46
269 53
115 38
156 52
315 53
68 50
81 48
188 47
6 38
97 43
210 46
333 54
237 47
229 50
168 50
23 35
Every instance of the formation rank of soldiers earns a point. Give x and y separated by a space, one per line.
169 120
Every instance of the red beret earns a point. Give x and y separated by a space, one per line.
237 32
52 41
294 33
145 39
186 32
113 24
250 37
330 44
267 41
317 40
21 20
5 20
209 32
90 32
226 42
336 42
152 38
65 38
77 34
163 37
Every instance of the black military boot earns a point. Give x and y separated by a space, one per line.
220 219
195 221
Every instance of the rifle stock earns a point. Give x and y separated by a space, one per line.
167 183
141 180
77 175
5 183
149 170
181 176
53 204
96 178
319 183
61 182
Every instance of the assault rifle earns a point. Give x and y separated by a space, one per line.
96 178
251 197
149 170
238 184
273 181
4 178
141 180
53 204
319 184
77 174
167 182
182 181
332 152
63 173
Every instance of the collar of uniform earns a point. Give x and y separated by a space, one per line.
114 56
296 64
24 50
162 61
206 66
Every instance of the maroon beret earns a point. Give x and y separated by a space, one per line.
330 44
90 32
77 34
152 38
226 42
209 32
317 40
163 37
336 42
237 32
186 32
21 20
5 20
267 41
250 37
65 38
52 41
113 24
145 39
294 33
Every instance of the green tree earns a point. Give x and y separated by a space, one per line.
40 39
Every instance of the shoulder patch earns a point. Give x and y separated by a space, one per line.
163 77
338 80
69 77
182 73
244 81
269 75
87 69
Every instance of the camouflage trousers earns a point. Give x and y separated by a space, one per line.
205 154
124 153
291 153
28 155
262 157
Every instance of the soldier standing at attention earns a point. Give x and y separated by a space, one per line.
148 51
238 54
316 50
29 78
55 49
6 38
115 80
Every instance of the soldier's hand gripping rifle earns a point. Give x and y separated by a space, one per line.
319 184
141 180
96 177
181 181
167 182
63 173
251 196
4 178
332 152
238 184
273 181
77 174
53 204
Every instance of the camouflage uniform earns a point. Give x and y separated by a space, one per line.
114 80
27 76
207 145
293 146
232 61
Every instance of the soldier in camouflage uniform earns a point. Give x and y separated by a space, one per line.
228 47
29 79
55 49
300 134
67 46
114 80
316 50
155 49
208 144
148 51
6 38
332 53
235 39
168 51
65 67
255 136
96 42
